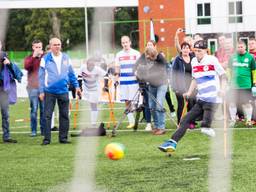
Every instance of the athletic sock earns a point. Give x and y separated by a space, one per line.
233 111
52 121
247 112
94 117
131 118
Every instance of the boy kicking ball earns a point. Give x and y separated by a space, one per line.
207 73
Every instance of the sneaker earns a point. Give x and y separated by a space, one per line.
173 114
33 134
10 141
208 131
168 146
192 126
160 132
154 130
54 129
130 126
242 119
248 124
45 142
148 127
65 142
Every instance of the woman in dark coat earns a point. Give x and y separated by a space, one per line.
181 78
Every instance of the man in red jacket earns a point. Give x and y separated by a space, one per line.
31 64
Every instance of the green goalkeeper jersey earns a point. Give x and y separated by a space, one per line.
241 70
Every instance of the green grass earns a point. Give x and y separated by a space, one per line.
144 168
29 167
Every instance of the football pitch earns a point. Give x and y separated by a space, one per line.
27 166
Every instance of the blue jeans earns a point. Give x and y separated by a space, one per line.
63 104
34 102
157 106
4 104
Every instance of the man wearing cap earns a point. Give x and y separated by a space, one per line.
207 73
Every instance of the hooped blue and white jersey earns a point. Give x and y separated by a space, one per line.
92 78
126 60
206 73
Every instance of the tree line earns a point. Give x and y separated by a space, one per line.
25 25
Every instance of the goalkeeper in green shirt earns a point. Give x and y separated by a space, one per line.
242 79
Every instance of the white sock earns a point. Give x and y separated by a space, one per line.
53 118
131 118
232 111
173 141
247 108
140 99
94 117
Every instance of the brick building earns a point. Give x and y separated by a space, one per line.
235 19
167 17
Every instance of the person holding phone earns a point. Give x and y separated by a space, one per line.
32 64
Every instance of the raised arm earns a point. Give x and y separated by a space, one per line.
176 39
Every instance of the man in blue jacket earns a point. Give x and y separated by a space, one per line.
8 93
55 74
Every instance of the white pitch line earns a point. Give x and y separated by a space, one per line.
128 130
191 158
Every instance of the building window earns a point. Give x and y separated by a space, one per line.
235 12
203 13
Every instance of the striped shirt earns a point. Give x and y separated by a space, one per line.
206 73
126 60
91 78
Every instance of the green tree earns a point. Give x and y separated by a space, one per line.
38 27
125 27
25 25
15 36
72 26
70 21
